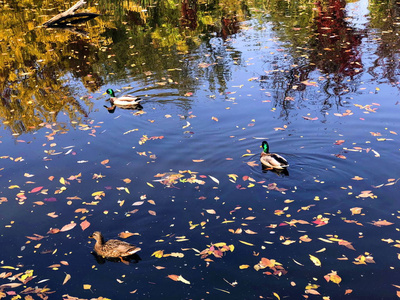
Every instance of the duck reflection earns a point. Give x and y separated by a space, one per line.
134 258
111 109
280 172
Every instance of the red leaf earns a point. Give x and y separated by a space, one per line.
36 189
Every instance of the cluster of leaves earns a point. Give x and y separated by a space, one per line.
8 289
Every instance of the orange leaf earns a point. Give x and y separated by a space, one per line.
197 160
215 119
382 223
152 212
173 277
126 234
106 161
355 210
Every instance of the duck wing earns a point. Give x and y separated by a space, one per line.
273 160
129 99
127 249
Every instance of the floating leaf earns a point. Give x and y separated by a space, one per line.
152 212
211 211
158 253
36 189
355 210
68 227
315 260
67 277
246 243
126 234
85 224
214 179
382 223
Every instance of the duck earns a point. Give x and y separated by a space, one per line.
123 101
112 248
272 160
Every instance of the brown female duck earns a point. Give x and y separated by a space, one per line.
112 248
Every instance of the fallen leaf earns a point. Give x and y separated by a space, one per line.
381 223
355 210
315 260
68 227
85 224
67 277
126 234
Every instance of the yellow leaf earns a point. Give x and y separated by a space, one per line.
149 184
233 176
13 187
67 277
315 260
277 296
99 193
181 279
87 286
62 180
158 253
243 267
246 243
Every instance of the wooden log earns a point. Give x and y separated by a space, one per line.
70 17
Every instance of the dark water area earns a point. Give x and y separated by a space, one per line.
318 81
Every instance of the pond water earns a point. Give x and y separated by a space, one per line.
318 81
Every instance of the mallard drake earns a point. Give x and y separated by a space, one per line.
272 160
112 248
123 101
